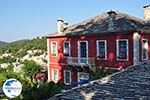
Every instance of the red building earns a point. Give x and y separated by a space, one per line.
112 39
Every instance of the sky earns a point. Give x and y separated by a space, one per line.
25 19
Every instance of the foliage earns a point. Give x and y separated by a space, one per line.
20 48
29 69
43 92
26 79
100 73
44 60
38 53
7 59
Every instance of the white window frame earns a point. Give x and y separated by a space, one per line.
147 50
79 56
69 47
97 42
53 48
65 77
117 50
56 75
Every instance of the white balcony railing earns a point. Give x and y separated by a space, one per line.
80 61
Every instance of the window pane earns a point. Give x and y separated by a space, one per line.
54 49
55 75
122 49
83 52
83 77
66 49
101 50
83 49
67 77
144 49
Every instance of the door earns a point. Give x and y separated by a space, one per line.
136 40
83 52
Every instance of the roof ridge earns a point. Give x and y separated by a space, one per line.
105 13
131 17
87 20
123 22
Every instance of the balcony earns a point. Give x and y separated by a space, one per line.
75 61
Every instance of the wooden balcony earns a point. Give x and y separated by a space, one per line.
76 61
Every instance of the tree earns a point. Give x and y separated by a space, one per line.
29 69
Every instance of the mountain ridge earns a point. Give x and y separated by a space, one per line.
2 43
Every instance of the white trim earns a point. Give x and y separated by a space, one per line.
78 74
146 49
56 75
79 50
97 52
52 49
117 49
69 47
48 64
136 46
65 77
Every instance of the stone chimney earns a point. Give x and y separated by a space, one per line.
112 15
147 12
61 26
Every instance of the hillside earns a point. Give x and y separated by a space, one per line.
20 48
18 52
26 60
15 56
2 43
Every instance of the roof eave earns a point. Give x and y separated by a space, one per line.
89 34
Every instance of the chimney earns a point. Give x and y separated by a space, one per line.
65 25
61 26
112 15
147 12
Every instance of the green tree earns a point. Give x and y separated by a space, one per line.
29 70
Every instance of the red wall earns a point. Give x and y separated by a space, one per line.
60 63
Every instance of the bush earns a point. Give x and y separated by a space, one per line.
100 73
111 71
8 59
43 92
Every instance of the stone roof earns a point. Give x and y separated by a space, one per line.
100 24
132 83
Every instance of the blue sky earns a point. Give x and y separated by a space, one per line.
23 19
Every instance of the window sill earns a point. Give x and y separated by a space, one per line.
122 59
53 55
144 59
101 58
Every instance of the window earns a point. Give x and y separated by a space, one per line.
83 77
54 48
122 49
55 75
67 77
144 49
102 49
83 52
66 48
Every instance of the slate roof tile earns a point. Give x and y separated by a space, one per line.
99 24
